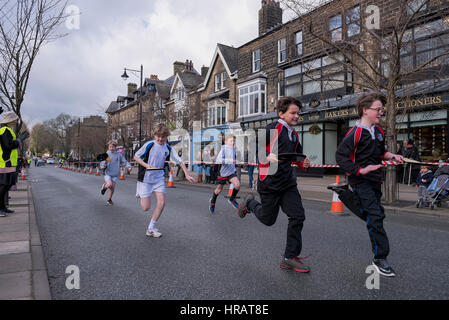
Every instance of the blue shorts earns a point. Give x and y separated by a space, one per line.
106 178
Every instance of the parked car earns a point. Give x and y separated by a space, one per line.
51 161
40 162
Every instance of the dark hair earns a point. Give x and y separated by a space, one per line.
366 99
411 141
285 102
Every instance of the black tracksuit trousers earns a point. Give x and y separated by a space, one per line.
373 214
289 200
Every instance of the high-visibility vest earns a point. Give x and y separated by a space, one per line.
6 158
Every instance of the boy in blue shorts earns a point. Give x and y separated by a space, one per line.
227 158
153 155
112 165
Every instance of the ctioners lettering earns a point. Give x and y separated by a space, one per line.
424 101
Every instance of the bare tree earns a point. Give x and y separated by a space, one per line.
379 58
42 140
62 128
25 26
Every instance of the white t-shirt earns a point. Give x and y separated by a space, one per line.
156 158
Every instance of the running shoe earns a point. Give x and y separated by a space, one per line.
154 233
295 264
234 203
103 190
211 206
243 207
109 203
383 267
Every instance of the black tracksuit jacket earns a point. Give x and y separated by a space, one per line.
368 151
284 177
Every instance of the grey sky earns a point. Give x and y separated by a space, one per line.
80 73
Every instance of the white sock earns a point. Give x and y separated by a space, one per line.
152 225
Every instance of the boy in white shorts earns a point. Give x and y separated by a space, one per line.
112 165
153 155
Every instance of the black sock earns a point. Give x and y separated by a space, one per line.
234 194
214 197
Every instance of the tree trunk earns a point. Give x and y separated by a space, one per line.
390 179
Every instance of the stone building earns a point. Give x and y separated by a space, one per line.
308 58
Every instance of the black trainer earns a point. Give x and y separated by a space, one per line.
383 267
243 210
103 190
109 203
8 211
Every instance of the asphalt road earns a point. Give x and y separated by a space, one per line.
210 257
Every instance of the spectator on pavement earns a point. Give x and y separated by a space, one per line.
9 146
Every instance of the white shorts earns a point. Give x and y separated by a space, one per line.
144 190
106 178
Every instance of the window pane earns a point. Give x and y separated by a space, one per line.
256 103
293 90
223 116
311 87
292 71
332 83
251 103
293 80
353 29
314 64
262 102
353 15
298 37
336 35
335 22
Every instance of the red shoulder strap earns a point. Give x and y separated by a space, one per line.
357 135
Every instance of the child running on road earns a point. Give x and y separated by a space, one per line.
112 165
280 190
153 155
360 154
227 158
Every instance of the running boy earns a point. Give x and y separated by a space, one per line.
153 155
227 158
112 165
360 154
280 190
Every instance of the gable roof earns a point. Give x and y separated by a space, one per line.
189 79
229 57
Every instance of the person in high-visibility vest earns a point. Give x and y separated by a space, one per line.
8 158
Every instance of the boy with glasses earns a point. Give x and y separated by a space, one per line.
360 154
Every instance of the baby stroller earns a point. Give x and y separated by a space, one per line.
437 192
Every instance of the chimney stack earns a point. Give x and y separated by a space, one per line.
204 71
178 67
154 76
132 87
269 16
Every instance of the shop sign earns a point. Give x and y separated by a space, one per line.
419 102
314 103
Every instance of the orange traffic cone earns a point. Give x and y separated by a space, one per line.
85 170
98 172
337 205
122 173
171 184
90 170
22 174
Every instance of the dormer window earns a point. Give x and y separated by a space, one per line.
217 82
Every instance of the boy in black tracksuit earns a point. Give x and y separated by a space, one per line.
360 154
279 189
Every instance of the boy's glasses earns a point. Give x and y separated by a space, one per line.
378 110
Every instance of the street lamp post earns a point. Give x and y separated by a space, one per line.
125 77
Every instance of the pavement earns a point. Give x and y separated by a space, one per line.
23 270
